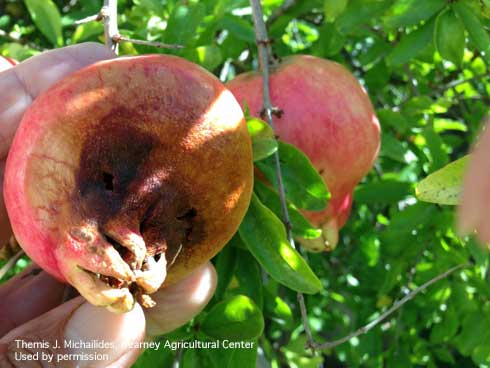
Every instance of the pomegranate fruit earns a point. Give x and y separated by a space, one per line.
328 115
126 169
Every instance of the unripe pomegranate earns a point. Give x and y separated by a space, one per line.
126 173
328 115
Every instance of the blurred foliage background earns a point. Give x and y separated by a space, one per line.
424 64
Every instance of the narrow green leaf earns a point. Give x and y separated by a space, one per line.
475 29
449 37
299 224
265 236
264 143
444 185
333 8
411 44
87 30
385 191
405 13
435 144
304 185
46 17
225 264
249 277
236 318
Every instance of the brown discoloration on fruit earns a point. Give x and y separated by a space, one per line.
146 154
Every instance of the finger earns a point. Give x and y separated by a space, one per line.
476 191
180 302
21 84
87 336
27 296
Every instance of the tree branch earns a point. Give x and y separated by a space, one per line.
109 17
11 263
118 38
263 45
398 304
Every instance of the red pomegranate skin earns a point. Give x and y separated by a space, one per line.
150 150
329 116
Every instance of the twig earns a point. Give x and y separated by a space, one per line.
263 45
92 18
286 5
392 309
118 38
11 263
109 17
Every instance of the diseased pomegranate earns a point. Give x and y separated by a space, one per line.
328 115
125 170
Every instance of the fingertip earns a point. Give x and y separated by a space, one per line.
180 302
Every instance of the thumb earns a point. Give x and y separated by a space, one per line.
76 334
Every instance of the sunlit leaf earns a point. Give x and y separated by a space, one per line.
444 185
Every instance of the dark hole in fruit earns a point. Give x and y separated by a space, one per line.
123 252
108 181
188 215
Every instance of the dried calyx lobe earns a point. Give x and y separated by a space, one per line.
135 204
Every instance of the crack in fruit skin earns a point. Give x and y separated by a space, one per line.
138 170
329 116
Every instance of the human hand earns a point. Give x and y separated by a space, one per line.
31 303
473 212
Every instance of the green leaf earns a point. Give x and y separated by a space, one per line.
249 277
46 17
446 329
225 264
449 37
161 357
411 44
264 143
236 318
405 13
299 224
475 29
304 185
385 191
278 310
183 23
435 144
360 12
333 8
239 28
393 148
87 30
475 329
208 56
265 236
444 185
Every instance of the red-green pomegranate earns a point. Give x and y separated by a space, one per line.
329 116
